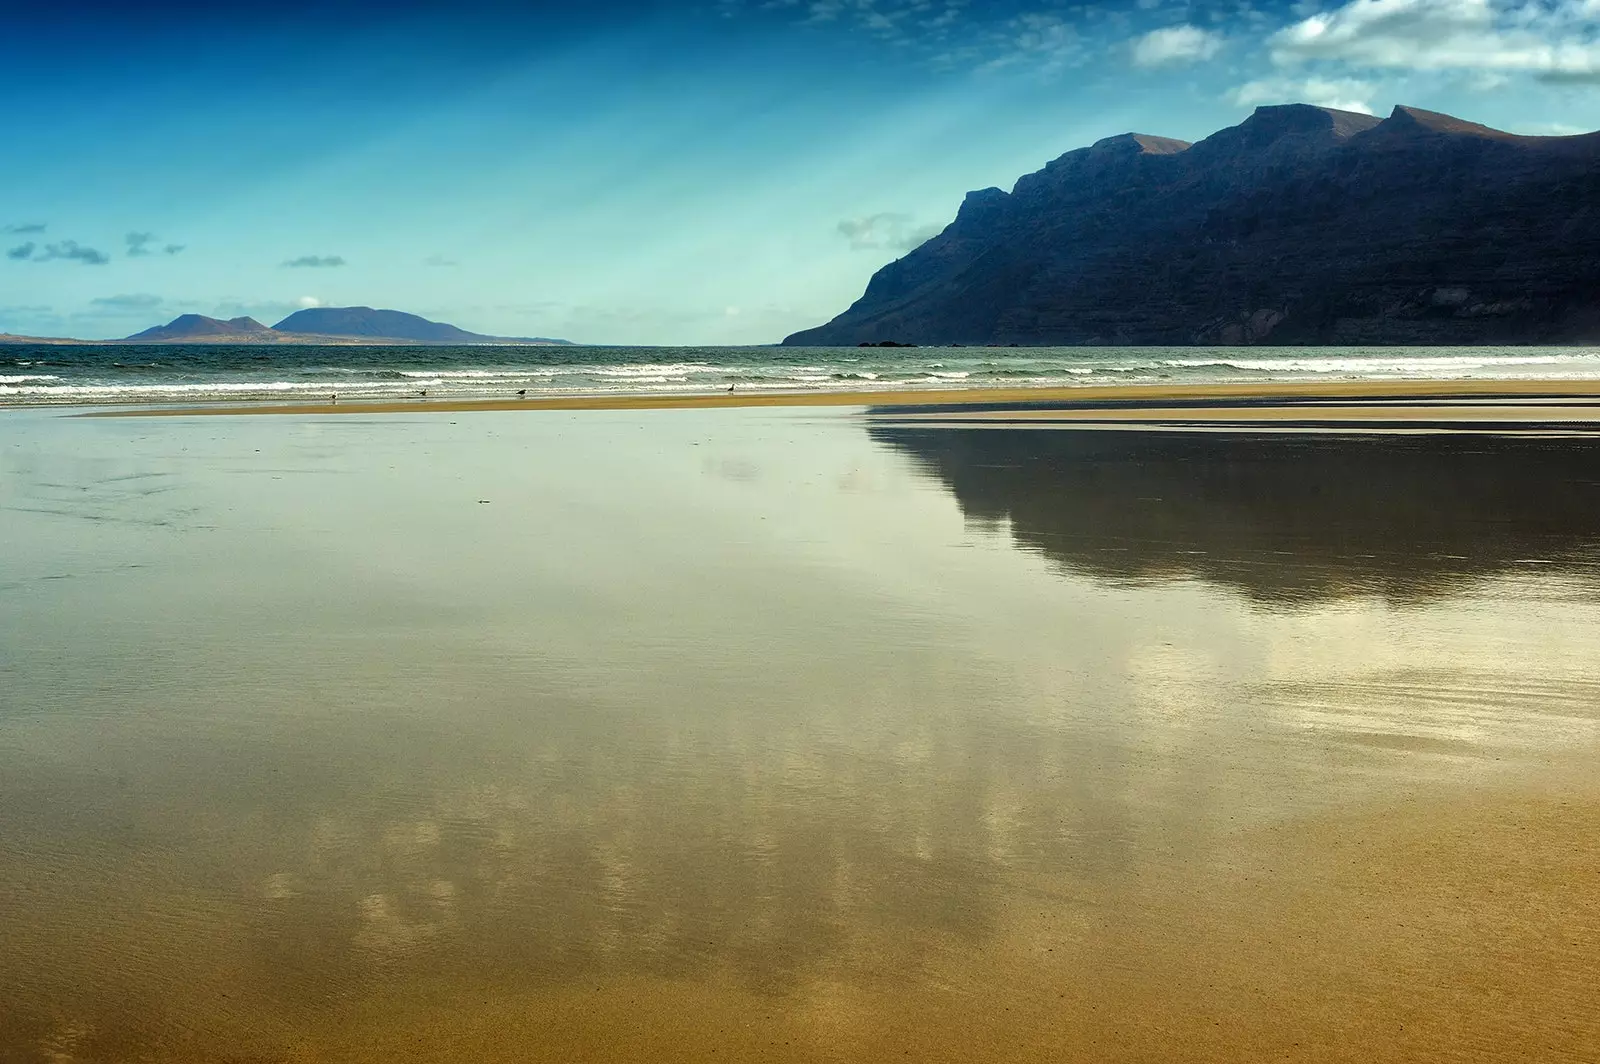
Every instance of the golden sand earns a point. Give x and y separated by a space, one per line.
800 740
1133 393
1422 931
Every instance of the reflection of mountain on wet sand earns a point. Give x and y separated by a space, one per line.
1282 518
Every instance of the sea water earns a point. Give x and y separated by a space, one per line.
101 374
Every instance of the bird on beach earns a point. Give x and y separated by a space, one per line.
522 391
334 398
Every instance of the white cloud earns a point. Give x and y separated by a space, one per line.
1175 44
1556 42
1341 94
887 230
308 301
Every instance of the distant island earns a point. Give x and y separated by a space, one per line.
1302 225
314 325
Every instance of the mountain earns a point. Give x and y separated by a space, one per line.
198 326
1284 519
320 325
1301 225
389 325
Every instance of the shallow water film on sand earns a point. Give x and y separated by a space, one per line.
793 735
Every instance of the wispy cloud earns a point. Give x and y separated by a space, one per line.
70 250
948 33
1043 40
131 301
1552 41
73 251
1174 45
888 229
439 260
315 262
140 244
23 228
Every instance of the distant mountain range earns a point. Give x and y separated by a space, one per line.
1302 225
200 327
324 325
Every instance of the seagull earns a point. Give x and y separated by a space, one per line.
522 391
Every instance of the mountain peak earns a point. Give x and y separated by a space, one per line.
981 206
1140 144
198 326
367 322
1299 225
322 325
1414 119
1300 124
1312 118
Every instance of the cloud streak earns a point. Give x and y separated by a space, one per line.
69 250
314 262
130 301
23 228
1558 42
1174 46
888 229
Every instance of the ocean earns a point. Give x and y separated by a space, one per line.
112 374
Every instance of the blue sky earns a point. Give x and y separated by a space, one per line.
703 173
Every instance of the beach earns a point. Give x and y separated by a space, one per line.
943 724
1379 400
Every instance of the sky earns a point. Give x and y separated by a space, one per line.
703 173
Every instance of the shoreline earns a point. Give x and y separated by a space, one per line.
1260 397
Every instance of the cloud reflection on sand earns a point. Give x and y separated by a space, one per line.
728 705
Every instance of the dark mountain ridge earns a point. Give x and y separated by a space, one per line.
191 326
1301 225
324 324
379 324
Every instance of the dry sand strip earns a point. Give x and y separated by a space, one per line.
1270 394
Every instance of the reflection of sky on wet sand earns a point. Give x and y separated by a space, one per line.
305 714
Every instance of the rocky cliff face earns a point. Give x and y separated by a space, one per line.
1302 225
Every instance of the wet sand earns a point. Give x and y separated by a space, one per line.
1566 399
793 735
1439 931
